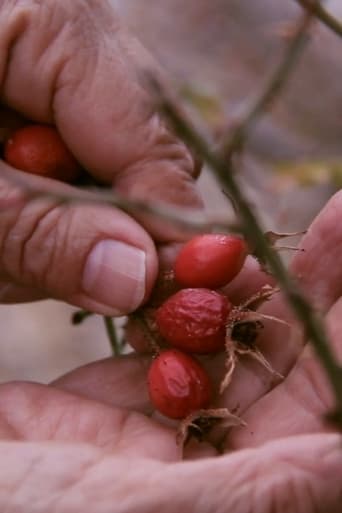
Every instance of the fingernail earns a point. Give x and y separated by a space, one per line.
115 274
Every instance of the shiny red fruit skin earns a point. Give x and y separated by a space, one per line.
178 385
194 320
210 260
39 150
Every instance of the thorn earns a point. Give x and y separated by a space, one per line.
230 365
260 358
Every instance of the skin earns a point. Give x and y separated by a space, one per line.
76 445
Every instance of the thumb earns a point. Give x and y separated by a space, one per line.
96 258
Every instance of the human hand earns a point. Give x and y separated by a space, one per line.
73 65
90 441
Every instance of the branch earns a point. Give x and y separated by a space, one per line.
313 325
272 89
112 335
192 220
315 8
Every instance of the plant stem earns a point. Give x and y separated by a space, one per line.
80 316
272 89
313 325
185 218
112 335
316 8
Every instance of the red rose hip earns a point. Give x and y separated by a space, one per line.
178 385
210 260
39 150
194 320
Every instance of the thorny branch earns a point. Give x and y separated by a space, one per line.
184 218
112 335
315 8
277 81
224 170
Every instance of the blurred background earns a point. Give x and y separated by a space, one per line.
219 54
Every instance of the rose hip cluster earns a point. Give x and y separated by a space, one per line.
194 321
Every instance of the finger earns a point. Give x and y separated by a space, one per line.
97 258
297 474
317 266
118 382
298 405
41 413
320 279
95 97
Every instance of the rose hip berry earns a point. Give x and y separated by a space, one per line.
210 260
178 385
39 150
194 320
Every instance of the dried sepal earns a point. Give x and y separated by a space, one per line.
242 329
256 300
230 363
199 423
257 355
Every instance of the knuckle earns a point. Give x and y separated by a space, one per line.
28 242
40 37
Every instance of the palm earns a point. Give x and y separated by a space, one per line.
106 405
294 405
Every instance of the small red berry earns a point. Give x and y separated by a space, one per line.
194 320
39 150
210 260
178 385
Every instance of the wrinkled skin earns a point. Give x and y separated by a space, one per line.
88 442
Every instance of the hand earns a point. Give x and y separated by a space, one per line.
73 65
88 442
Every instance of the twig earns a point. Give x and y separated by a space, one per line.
192 220
313 325
111 332
79 316
315 7
272 89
